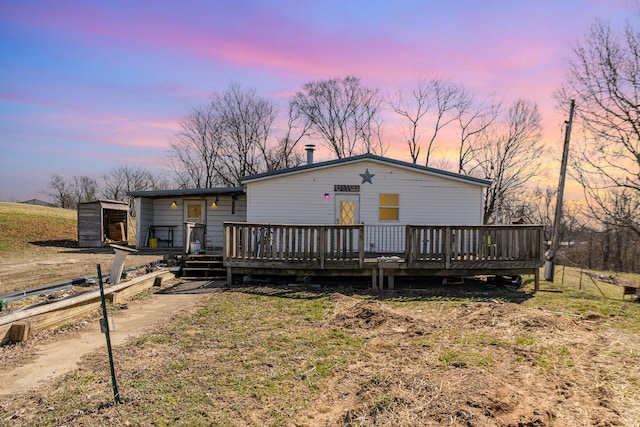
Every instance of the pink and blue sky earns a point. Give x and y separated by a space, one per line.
86 86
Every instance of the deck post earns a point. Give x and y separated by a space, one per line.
447 247
229 277
226 245
374 279
322 245
536 278
408 244
361 246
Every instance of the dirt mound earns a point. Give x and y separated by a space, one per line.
499 314
489 363
369 315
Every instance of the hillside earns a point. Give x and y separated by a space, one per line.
39 246
35 229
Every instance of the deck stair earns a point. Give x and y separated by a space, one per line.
203 266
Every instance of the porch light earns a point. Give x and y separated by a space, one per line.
174 205
214 204
326 196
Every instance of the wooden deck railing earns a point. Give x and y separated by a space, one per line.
497 246
425 247
384 239
311 246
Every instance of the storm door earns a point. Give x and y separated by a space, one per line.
347 209
345 242
194 219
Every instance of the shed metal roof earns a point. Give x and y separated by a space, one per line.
104 201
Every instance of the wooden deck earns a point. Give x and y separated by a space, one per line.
334 250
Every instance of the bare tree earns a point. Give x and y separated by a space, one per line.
246 127
510 156
122 179
225 140
544 213
412 110
67 193
474 120
60 192
431 105
603 77
343 114
285 153
84 189
194 153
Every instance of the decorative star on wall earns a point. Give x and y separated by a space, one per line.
366 176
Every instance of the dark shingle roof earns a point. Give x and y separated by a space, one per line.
375 158
182 192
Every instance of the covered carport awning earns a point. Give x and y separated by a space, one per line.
167 212
186 192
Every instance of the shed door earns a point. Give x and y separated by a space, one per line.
348 209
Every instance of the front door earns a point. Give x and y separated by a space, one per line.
348 209
194 211
194 219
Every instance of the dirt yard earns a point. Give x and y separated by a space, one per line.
425 361
52 264
481 365
51 354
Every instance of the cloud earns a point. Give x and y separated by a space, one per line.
111 80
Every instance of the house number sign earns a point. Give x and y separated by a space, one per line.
346 188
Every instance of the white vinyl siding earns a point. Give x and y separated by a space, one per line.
144 216
159 212
223 213
426 198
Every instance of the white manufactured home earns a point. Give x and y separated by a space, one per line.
344 217
383 194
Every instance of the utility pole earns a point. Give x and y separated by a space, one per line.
553 250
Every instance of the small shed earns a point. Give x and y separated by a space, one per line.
101 222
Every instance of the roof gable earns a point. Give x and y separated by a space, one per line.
364 157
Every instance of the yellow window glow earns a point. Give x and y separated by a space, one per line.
389 214
389 200
389 207
194 211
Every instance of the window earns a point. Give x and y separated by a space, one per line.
194 211
389 207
